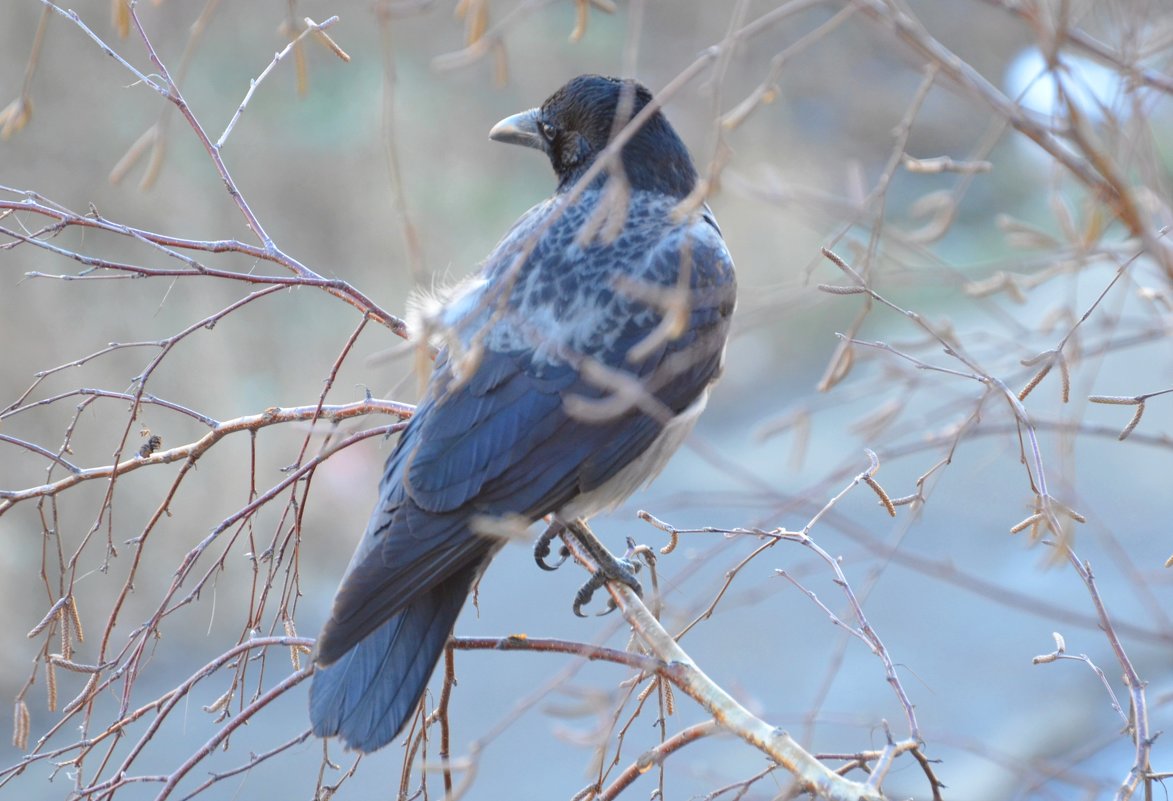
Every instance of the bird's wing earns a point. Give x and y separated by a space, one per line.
501 441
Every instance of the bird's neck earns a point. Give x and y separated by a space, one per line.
655 160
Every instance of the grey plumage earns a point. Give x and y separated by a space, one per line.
530 408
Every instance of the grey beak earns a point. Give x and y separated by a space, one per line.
520 129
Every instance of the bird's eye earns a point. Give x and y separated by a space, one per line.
548 131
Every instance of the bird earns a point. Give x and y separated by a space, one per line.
570 366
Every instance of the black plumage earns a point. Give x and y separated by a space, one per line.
560 388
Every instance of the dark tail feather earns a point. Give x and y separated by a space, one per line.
369 693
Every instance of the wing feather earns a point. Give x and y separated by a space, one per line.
500 441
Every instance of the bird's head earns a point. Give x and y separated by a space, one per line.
575 124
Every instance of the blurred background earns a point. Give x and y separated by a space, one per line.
379 172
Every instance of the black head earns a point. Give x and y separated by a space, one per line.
575 124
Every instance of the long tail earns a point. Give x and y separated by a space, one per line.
366 696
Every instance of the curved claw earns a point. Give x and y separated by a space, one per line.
542 549
611 607
587 591
563 555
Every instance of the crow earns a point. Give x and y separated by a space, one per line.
571 365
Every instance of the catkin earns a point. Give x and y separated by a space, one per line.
51 684
20 725
76 617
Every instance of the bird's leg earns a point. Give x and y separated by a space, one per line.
542 546
609 567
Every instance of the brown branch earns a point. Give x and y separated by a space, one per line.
727 712
1138 717
254 760
656 756
1029 13
242 717
303 276
311 27
87 392
194 450
910 30
864 632
555 646
162 705
37 449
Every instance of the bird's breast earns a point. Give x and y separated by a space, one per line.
641 470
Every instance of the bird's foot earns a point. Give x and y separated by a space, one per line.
542 547
587 591
624 573
610 568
